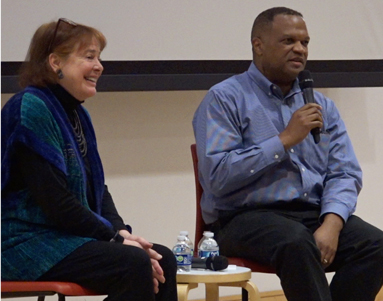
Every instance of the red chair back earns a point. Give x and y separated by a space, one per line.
201 226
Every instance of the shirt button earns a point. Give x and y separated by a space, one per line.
252 171
303 169
305 194
292 150
276 156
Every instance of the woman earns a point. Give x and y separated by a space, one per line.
59 221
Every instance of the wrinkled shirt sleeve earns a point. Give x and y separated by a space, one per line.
343 179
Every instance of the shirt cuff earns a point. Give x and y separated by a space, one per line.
273 149
337 208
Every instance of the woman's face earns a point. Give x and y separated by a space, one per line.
81 71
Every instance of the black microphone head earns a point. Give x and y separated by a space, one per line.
217 263
305 79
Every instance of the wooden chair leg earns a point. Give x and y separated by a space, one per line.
212 292
250 288
183 290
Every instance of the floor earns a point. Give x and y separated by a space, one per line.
278 296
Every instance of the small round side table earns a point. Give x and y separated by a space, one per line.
233 276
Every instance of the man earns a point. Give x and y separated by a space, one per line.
271 194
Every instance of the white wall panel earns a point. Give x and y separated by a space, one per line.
198 29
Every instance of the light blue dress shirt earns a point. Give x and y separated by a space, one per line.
243 163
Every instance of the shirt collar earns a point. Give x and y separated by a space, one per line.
268 87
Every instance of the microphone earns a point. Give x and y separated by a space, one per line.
306 85
214 263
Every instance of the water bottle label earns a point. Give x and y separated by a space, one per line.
183 259
208 253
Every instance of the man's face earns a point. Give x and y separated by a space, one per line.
282 49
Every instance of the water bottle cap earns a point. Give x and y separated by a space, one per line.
180 237
209 234
185 233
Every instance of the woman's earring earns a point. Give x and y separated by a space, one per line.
60 74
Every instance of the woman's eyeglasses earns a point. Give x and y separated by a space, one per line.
67 21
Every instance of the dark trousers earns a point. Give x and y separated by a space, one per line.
282 237
122 272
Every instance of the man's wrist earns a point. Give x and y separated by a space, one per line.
333 220
284 140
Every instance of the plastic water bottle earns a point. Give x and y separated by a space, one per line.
209 246
201 240
182 253
188 241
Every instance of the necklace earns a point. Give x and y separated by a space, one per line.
79 133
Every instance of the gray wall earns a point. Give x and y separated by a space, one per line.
198 29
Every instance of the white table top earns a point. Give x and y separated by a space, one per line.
231 274
231 269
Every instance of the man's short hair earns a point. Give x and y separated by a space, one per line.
266 18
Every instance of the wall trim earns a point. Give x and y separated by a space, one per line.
201 75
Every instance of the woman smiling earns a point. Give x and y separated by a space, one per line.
59 221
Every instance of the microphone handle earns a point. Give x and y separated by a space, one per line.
316 135
199 263
308 97
214 263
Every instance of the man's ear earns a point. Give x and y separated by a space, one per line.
54 62
257 46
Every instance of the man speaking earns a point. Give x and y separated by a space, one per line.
271 193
